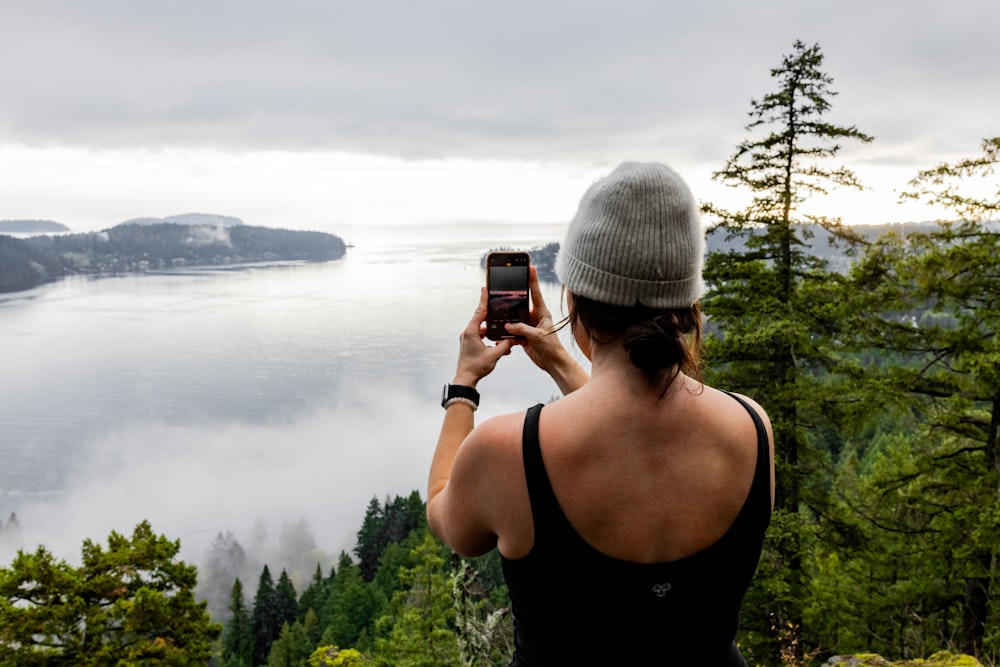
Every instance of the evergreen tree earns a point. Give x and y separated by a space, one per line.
131 603
385 524
771 305
11 535
352 608
292 647
315 594
285 600
265 623
237 638
931 301
369 544
419 630
226 561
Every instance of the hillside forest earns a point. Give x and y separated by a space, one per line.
882 381
153 246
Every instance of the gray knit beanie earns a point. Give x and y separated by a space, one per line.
636 238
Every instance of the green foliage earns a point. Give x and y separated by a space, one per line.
237 636
418 629
292 648
132 602
331 656
774 316
928 504
352 608
264 621
385 524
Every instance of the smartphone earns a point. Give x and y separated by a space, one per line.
507 287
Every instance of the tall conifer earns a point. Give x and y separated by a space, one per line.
263 622
770 304
237 640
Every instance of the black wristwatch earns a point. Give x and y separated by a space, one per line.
455 393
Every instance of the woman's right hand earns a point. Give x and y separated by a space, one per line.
542 344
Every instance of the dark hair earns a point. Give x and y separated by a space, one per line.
661 342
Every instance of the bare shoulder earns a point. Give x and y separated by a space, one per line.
758 409
484 493
490 461
495 438
724 400
761 413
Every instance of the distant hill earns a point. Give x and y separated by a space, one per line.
207 219
821 244
150 246
32 227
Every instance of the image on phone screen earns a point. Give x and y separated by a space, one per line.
507 285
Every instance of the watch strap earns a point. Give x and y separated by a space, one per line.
453 391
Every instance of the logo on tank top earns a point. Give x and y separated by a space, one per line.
661 590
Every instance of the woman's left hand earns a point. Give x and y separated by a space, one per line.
476 359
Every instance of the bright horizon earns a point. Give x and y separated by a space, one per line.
93 190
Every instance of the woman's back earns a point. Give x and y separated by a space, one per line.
648 479
585 579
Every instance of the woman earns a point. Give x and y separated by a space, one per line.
629 514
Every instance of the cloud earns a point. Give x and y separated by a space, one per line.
517 80
195 480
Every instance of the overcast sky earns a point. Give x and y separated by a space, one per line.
310 113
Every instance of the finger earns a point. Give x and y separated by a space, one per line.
479 315
503 347
536 289
522 329
539 311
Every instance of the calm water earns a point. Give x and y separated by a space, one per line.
206 400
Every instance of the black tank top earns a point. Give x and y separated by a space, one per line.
573 605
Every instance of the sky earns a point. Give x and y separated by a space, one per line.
318 113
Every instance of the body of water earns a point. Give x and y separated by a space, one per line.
212 400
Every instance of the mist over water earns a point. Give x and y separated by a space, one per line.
209 401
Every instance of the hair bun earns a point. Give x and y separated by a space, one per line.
652 346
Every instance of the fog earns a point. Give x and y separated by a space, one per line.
193 481
267 407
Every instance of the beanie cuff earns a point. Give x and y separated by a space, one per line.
592 283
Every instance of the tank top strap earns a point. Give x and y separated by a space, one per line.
545 511
760 491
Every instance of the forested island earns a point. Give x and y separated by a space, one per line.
32 227
151 245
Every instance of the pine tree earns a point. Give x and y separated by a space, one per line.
386 524
352 608
292 647
771 307
264 620
237 638
226 561
285 600
315 594
369 544
931 301
418 630
130 603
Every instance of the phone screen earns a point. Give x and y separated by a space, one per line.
507 285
